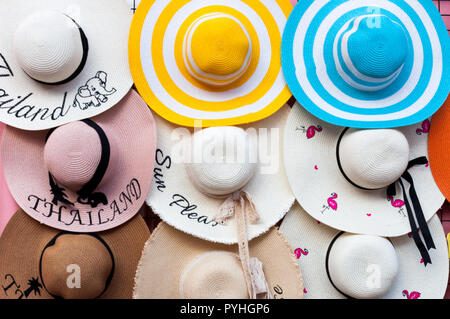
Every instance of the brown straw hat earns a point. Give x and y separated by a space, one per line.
175 265
39 262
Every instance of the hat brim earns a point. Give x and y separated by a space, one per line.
168 252
179 203
24 239
179 99
30 105
131 129
314 175
304 232
439 144
312 75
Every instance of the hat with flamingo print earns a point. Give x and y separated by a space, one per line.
337 264
41 262
365 181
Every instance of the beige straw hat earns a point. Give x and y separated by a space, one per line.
175 265
39 262
338 265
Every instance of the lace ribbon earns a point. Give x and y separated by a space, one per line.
241 206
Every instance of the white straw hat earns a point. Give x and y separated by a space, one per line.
356 180
337 265
188 192
62 60
175 265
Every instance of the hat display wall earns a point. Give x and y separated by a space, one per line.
375 182
48 263
197 173
85 176
369 63
178 266
438 143
7 204
62 60
217 61
337 265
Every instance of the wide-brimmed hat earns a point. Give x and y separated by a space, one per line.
62 60
338 265
175 265
201 175
40 262
375 182
215 61
438 144
367 64
85 176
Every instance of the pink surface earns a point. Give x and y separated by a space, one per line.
7 204
294 2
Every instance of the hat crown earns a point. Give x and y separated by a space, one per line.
373 159
373 49
215 275
362 266
218 49
228 160
80 255
48 46
72 154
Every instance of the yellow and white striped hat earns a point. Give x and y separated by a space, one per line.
217 61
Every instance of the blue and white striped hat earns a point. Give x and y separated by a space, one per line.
367 63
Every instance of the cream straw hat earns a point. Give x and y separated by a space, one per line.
337 265
197 173
375 182
175 265
62 60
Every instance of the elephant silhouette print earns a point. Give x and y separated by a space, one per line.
94 93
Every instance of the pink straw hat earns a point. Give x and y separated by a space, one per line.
85 176
8 206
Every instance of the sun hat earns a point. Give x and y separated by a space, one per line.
178 266
217 61
367 64
8 206
374 182
438 144
57 264
338 265
200 176
62 60
85 176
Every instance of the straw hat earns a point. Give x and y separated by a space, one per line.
375 182
174 265
62 60
85 176
39 262
337 265
439 143
217 61
367 64
198 172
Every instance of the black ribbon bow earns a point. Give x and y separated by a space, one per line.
415 211
86 194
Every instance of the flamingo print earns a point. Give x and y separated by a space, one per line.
299 252
412 295
332 204
425 128
398 203
311 131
